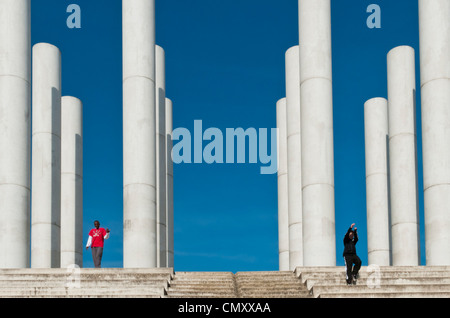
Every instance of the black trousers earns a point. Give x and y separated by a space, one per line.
97 253
353 264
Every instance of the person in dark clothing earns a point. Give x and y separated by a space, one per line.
352 261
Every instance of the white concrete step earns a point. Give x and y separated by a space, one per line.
273 293
270 285
61 291
387 275
84 282
360 289
85 274
383 294
384 268
203 276
382 281
96 271
391 281
202 284
405 281
200 295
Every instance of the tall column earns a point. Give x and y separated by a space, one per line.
319 247
46 157
434 31
403 156
139 134
161 156
283 212
294 160
169 183
15 99
376 134
71 181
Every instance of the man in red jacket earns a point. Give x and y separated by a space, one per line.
96 239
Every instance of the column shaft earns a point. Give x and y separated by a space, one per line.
377 181
316 104
434 31
139 134
71 181
294 160
161 156
283 193
169 183
15 106
46 157
403 156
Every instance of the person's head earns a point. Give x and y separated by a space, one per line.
96 224
351 234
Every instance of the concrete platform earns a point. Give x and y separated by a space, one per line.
304 282
84 282
378 282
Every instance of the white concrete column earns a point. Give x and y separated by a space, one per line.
403 156
71 181
15 99
283 193
376 134
316 105
434 31
169 183
46 157
139 134
294 160
161 156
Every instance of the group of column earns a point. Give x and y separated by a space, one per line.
54 182
305 145
391 166
147 143
391 149
305 148
56 166
52 126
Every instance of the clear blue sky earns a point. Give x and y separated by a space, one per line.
225 66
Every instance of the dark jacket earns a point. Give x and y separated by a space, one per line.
349 244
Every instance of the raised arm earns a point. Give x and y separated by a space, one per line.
346 237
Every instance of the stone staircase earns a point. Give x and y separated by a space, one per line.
202 285
84 283
270 285
239 285
378 282
304 282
